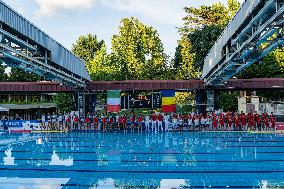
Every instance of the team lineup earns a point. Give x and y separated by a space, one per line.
156 122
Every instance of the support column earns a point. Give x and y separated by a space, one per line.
80 101
45 56
255 101
227 51
216 99
94 101
152 100
200 100
210 100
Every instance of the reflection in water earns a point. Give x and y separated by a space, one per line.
9 160
55 160
148 160
32 183
105 183
173 183
39 141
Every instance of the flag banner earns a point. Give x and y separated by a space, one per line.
169 108
168 93
168 100
113 108
113 94
113 101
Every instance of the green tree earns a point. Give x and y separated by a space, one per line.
233 6
3 75
64 102
19 75
272 65
104 67
139 51
229 100
202 26
86 48
215 14
202 40
184 60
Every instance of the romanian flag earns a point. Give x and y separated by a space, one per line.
113 101
168 101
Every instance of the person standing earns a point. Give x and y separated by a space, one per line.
175 121
140 122
111 122
258 121
167 122
215 123
251 122
96 122
117 122
60 122
237 125
104 122
82 121
266 123
189 122
229 122
68 122
208 124
154 122
49 125
132 120
243 121
147 123
76 122
54 121
222 122
160 122
273 121
43 125
88 122
124 122
203 121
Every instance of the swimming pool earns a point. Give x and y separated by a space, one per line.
147 160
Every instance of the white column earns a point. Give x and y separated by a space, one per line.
255 101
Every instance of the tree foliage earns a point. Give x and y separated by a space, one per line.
272 65
229 100
104 67
215 14
184 60
202 26
86 48
3 76
19 75
138 50
64 102
202 40
137 53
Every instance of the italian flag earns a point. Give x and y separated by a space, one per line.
113 101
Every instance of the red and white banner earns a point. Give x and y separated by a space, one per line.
280 126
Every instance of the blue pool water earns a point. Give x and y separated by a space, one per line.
148 160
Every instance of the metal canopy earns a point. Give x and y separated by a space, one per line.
24 45
255 31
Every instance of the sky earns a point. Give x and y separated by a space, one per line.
66 20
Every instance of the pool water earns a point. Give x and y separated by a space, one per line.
147 160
